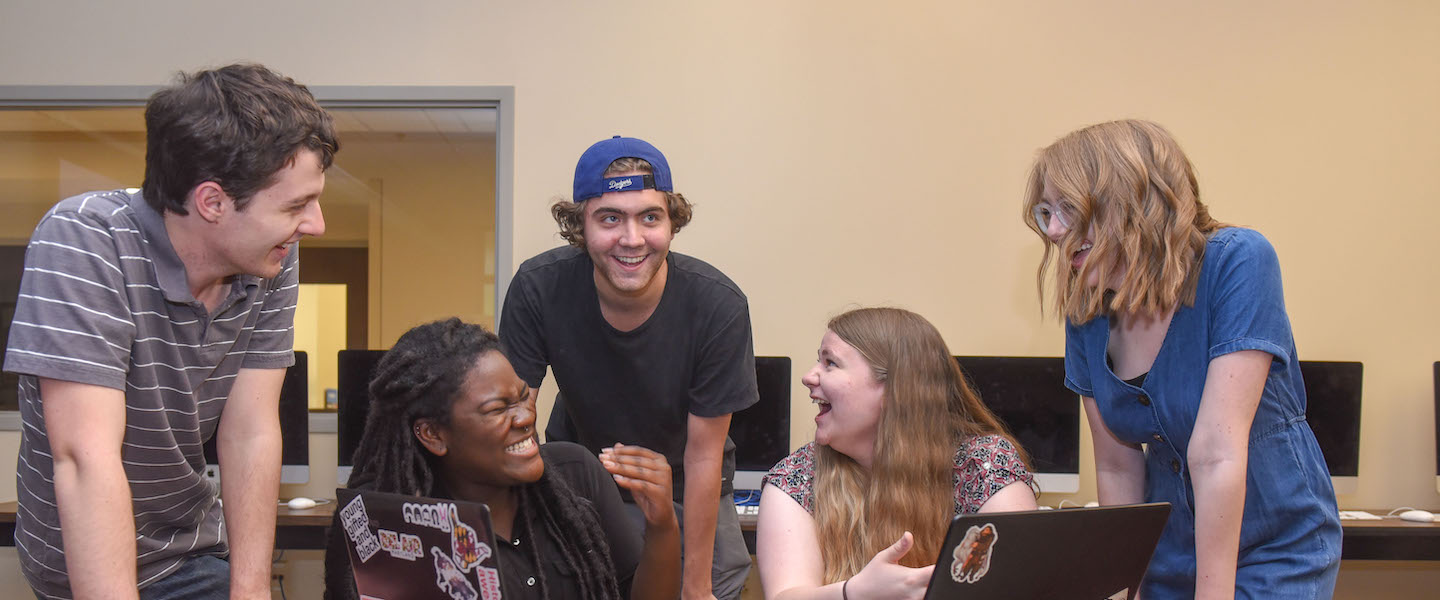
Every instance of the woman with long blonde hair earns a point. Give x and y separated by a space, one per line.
1177 338
902 444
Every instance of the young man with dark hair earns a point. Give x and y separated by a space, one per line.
648 346
150 321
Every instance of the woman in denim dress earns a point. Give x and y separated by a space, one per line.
1177 339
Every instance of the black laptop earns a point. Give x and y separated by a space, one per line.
1082 553
414 548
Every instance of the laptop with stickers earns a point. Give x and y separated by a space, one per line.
1083 553
414 548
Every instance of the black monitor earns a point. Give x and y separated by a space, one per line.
352 398
1437 426
294 427
1332 406
762 432
1029 396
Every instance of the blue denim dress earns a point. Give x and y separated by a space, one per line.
1290 536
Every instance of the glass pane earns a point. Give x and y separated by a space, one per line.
409 210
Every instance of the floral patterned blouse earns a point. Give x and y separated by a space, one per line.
983 465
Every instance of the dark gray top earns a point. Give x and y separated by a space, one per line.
104 301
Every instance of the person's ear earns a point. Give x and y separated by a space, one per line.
431 437
210 201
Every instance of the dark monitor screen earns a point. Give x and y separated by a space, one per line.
762 432
1332 392
1029 396
352 398
294 425
1437 425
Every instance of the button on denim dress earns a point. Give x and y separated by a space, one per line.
1290 535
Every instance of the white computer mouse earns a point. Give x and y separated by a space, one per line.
1092 504
1419 516
300 503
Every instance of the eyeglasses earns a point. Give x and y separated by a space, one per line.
1043 212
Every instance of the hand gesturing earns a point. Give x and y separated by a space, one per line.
646 474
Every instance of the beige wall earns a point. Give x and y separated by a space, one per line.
845 153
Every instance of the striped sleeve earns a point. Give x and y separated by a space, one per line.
272 344
73 320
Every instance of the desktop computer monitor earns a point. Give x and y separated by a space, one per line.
352 399
294 427
1332 407
762 432
1029 396
1437 426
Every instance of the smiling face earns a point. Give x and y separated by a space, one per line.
850 398
1058 226
627 235
489 443
256 240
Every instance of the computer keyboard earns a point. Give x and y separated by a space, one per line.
1358 515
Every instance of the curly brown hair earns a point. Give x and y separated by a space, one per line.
570 216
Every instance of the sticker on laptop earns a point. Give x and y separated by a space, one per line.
972 556
1120 595
450 579
401 545
467 548
357 525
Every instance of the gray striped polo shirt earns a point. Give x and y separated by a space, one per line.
104 301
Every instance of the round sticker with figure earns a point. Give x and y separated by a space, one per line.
972 556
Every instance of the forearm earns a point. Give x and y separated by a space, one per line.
250 468
702 499
1219 507
657 577
823 592
97 524
1121 483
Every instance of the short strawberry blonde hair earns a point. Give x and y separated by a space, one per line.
1134 192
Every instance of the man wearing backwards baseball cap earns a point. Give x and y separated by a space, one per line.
649 347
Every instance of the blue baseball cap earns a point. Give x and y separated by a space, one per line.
590 179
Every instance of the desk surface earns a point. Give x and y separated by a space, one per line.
1387 539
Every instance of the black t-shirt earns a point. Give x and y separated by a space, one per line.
582 472
694 355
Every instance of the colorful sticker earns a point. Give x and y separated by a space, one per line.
357 524
467 547
449 578
401 545
972 556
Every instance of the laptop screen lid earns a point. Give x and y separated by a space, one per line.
409 547
1084 553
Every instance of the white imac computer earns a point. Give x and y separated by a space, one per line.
1029 396
1332 407
294 427
762 432
352 399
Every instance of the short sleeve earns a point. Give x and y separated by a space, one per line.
521 330
72 320
1077 365
795 475
983 466
724 380
1246 302
272 345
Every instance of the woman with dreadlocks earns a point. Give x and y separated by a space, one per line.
450 419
